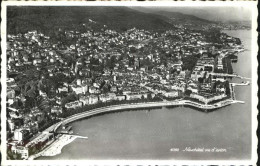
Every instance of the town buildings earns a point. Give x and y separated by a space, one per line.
48 78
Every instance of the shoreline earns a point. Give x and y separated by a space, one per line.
54 148
121 107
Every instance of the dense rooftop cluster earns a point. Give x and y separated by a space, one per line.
50 77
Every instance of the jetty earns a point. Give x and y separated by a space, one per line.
229 75
240 84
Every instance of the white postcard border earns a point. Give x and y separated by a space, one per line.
252 5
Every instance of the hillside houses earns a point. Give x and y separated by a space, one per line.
52 77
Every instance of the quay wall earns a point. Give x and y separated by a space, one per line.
139 106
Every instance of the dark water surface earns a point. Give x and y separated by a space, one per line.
151 134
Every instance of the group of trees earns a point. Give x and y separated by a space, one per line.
187 92
13 156
227 65
189 62
70 98
110 63
205 79
148 63
213 36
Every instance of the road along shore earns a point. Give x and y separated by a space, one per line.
55 147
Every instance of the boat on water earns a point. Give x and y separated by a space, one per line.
245 83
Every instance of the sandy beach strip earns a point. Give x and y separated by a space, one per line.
55 147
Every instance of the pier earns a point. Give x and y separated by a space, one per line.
229 75
232 91
240 84
73 135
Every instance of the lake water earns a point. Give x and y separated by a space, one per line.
152 134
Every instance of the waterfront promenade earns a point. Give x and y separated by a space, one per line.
113 108
121 107
49 151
